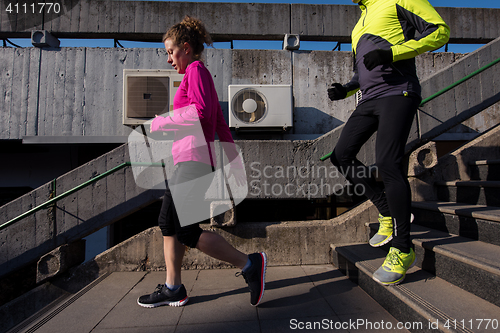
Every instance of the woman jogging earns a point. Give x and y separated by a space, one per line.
195 102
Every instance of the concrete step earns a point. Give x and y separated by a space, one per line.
422 298
477 222
295 298
469 264
476 192
485 170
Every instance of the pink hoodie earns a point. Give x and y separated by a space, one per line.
196 100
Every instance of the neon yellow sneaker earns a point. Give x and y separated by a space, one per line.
393 270
385 229
384 233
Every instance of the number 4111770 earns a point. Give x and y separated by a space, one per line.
472 324
34 8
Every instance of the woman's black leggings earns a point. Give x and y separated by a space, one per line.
391 117
194 179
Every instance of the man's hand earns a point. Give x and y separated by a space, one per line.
377 57
337 92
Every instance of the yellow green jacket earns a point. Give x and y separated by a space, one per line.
408 28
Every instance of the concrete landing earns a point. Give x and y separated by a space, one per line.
317 297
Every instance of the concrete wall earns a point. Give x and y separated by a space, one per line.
78 91
138 20
118 195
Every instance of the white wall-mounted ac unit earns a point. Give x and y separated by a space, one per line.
148 92
260 107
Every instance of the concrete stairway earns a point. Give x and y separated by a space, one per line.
454 286
117 196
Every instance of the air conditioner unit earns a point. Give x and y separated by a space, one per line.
148 92
260 107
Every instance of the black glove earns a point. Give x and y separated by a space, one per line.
377 57
337 92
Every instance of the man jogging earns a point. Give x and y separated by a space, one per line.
385 43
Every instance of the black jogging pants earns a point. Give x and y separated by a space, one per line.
391 117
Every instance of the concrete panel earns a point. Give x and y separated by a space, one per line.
138 20
115 183
481 122
54 103
85 196
232 20
219 63
18 94
471 25
75 16
103 91
430 63
108 16
489 79
20 240
461 92
6 66
5 24
23 234
81 88
73 101
67 210
46 227
324 22
48 114
261 67
32 99
89 11
469 98
285 169
313 73
127 16
149 20
431 114
99 189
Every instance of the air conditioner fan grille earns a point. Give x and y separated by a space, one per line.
250 116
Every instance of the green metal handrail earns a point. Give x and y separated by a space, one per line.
439 93
75 189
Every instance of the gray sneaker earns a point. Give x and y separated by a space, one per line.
396 264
